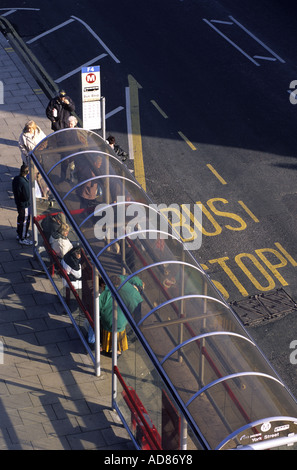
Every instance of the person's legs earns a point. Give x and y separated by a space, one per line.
20 222
26 222
23 222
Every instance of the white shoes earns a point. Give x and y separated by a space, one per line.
25 241
28 236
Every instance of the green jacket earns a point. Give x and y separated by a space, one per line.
131 297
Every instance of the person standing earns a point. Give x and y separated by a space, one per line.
72 122
60 242
130 293
106 321
131 296
52 223
21 192
31 136
65 164
118 150
90 190
71 263
59 110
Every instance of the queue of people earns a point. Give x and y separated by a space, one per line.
60 111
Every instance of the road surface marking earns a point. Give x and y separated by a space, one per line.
135 131
159 109
248 211
231 42
256 39
187 140
280 247
221 22
78 69
216 174
114 111
97 38
49 31
258 267
9 11
252 59
264 58
129 124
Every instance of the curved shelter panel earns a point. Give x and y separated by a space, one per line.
201 364
245 400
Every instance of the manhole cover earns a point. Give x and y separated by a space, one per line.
263 308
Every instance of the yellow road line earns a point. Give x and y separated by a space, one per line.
292 261
159 109
187 140
136 132
216 174
248 211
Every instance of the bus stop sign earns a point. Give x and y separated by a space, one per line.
91 96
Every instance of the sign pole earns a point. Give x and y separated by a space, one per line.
103 118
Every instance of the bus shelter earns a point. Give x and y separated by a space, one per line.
192 377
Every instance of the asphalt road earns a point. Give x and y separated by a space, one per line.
218 125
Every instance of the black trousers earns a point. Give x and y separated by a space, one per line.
23 222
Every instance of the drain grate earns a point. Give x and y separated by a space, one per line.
263 308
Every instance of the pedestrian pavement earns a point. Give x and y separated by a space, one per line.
50 398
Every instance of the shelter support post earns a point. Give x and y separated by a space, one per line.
33 202
96 320
103 117
182 312
183 434
114 350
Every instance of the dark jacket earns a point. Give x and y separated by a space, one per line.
52 223
72 265
63 112
88 190
21 191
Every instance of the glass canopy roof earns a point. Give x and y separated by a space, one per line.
225 387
